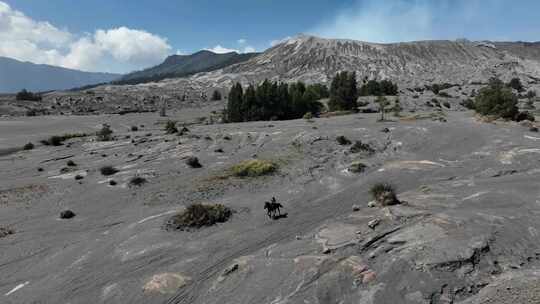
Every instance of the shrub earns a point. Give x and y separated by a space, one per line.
28 96
468 103
134 128
193 162
384 194
531 94
533 129
308 116
108 170
198 216
137 181
105 133
28 146
445 95
357 167
53 141
515 83
361 147
5 232
496 100
112 182
67 214
254 168
71 163
216 95
521 116
40 169
170 127
343 141
447 105
78 177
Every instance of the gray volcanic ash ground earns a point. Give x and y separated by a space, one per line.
467 232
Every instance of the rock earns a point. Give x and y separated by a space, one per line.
67 214
327 250
356 208
372 204
230 269
369 276
165 283
373 223
193 162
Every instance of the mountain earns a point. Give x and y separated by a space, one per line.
185 65
16 75
313 59
411 65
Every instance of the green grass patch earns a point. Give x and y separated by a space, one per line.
254 168
198 216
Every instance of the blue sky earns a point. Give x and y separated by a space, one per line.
124 35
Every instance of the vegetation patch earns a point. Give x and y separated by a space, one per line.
359 147
343 141
498 101
108 170
71 163
198 216
27 96
357 167
58 140
193 162
4 232
254 168
136 181
170 127
28 146
105 134
384 194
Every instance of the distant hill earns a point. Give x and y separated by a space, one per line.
185 65
16 75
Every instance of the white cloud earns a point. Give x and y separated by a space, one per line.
241 41
114 50
218 49
278 41
249 49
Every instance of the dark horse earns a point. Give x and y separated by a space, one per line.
271 208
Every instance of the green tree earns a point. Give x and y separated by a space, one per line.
216 95
249 103
234 104
343 92
496 100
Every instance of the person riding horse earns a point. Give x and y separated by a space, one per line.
271 208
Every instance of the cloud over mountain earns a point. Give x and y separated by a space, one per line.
114 50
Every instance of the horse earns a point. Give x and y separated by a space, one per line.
271 208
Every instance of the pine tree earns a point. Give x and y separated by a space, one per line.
343 92
234 105
249 103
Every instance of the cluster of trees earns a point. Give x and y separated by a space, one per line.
27 95
498 100
379 88
273 100
343 92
